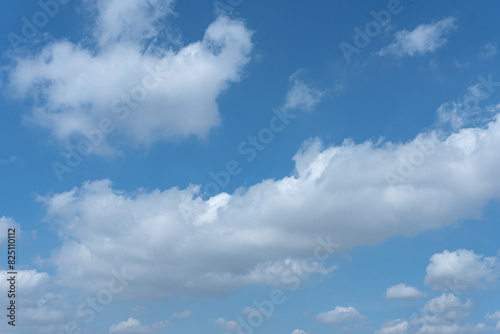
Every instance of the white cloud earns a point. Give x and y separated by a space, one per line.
43 313
489 50
340 315
443 314
182 315
453 329
11 159
5 224
494 316
247 310
149 94
128 20
340 191
28 280
302 95
466 111
134 326
445 303
402 291
42 308
227 325
299 331
459 270
423 39
394 327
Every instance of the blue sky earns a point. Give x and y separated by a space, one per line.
251 167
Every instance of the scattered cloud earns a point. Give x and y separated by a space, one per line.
11 159
340 315
394 327
493 316
134 326
182 315
227 325
489 50
423 39
466 111
302 95
460 270
299 331
402 291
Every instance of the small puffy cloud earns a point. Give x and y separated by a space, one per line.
10 159
125 326
247 310
182 315
339 315
459 270
302 95
423 39
493 316
402 291
394 327
299 331
134 326
227 325
489 50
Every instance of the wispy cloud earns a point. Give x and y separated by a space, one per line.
423 39
10 159
489 50
181 315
